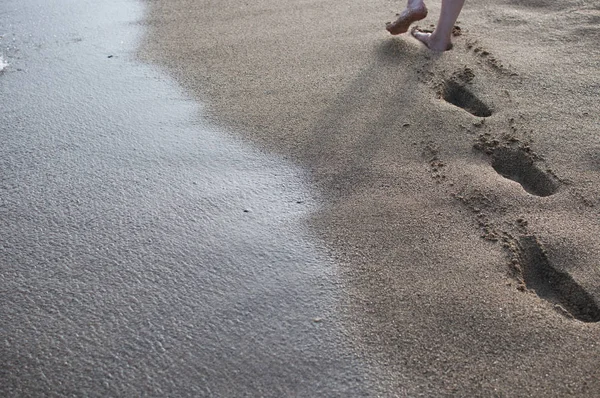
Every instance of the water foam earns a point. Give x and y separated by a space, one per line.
3 64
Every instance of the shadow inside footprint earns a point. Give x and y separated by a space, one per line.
517 165
456 94
554 285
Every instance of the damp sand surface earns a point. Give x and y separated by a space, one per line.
144 251
461 190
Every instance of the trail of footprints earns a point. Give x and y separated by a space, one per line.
516 161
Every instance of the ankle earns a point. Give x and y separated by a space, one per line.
439 42
415 4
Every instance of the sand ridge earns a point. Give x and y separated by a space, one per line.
457 185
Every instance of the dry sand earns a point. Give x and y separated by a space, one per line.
441 254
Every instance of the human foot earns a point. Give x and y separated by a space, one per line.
430 40
405 18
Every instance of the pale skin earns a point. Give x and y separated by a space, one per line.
438 40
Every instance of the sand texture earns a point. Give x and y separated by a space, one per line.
462 190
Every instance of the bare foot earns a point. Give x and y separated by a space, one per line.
407 17
430 40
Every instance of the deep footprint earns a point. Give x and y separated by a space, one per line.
458 95
554 285
517 165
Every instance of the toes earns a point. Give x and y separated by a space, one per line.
415 31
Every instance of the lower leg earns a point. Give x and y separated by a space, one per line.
440 39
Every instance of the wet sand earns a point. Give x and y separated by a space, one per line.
461 190
144 251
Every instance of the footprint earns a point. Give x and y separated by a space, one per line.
554 285
457 94
517 165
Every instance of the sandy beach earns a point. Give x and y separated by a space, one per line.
461 189
273 198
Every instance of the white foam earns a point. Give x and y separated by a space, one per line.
2 64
